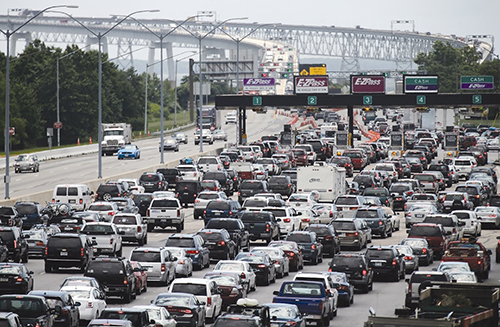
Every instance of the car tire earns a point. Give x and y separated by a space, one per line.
119 252
106 197
24 258
48 268
365 289
141 241
17 258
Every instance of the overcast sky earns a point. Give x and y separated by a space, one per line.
457 17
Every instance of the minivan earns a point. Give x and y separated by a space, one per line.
78 195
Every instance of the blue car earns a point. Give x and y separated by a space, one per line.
129 151
284 315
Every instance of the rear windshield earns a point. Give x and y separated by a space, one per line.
255 203
462 163
98 229
210 236
26 209
65 242
376 192
227 224
320 231
124 220
462 215
100 207
146 256
379 254
133 317
218 205
277 212
7 211
452 197
142 198
180 242
255 216
164 203
278 180
195 289
150 178
425 231
346 201
367 214
209 196
339 261
18 304
400 188
468 190
105 267
299 238
251 185
205 161
106 189
7 236
427 178
343 225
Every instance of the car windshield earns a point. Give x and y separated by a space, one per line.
426 178
211 236
255 203
379 254
347 261
105 267
452 197
251 185
26 209
319 230
230 266
414 243
164 203
100 207
223 280
344 225
400 188
486 209
78 294
97 229
255 216
375 192
218 205
10 270
207 196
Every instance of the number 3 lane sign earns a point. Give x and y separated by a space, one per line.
367 99
312 100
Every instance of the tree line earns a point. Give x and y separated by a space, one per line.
33 95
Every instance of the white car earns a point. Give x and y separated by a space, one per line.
203 289
488 215
248 153
288 219
231 118
190 172
418 211
160 315
242 268
105 210
163 194
326 213
472 224
464 166
255 203
92 300
209 163
260 172
301 200
133 184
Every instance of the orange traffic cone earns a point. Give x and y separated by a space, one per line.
78 141
140 134
90 139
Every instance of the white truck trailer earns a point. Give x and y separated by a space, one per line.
328 181
114 136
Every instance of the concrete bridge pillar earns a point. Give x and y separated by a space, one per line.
21 35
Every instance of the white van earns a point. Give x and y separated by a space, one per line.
78 195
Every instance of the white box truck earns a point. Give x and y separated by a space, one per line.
328 181
114 136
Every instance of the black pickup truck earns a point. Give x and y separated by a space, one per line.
261 225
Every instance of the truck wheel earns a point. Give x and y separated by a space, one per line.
48 267
141 241
497 258
326 321
106 196
178 228
24 258
150 228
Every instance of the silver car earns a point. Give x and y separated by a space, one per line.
410 258
281 261
472 224
417 213
159 262
27 162
184 264
202 200
488 215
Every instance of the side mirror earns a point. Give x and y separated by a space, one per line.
276 292
77 304
121 232
173 259
58 309
93 242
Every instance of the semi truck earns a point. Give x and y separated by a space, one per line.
210 118
114 136
327 181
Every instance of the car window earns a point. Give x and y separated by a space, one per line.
195 289
146 256
180 242
164 203
105 267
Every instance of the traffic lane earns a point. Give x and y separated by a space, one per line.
82 169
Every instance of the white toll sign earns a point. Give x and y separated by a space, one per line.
258 84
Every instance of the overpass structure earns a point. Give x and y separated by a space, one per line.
349 44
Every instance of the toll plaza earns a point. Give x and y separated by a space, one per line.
351 101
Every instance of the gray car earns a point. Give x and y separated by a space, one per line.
27 162
159 262
409 257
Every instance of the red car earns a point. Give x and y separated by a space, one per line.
300 157
358 159
231 284
141 277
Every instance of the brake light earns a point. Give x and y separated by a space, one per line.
82 252
192 252
197 201
163 267
243 276
313 246
268 227
287 220
408 257
394 262
15 244
47 250
111 213
424 250
261 266
365 272
380 222
125 281
221 243
178 212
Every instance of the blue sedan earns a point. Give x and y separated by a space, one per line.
345 289
129 151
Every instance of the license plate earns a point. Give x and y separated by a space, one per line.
72 201
378 264
419 216
163 220
341 234
274 325
64 254
68 228
4 279
312 323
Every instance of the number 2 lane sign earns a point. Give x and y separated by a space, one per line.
312 100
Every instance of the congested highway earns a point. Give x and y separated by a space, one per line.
384 298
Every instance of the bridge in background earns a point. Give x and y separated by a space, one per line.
348 44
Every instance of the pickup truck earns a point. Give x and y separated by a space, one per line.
133 227
165 212
310 297
422 197
261 225
472 252
107 237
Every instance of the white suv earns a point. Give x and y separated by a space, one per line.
464 166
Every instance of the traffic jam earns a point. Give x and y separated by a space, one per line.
313 223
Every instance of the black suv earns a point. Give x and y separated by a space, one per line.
153 182
236 230
377 219
281 184
9 216
107 191
312 249
171 175
385 261
30 212
69 315
445 169
224 179
15 241
116 274
355 266
219 243
250 187
187 191
327 236
142 201
68 250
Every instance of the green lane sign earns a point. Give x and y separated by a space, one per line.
421 99
420 84
477 99
367 99
312 100
257 101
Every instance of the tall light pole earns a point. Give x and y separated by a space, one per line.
99 37
200 96
8 34
175 86
161 37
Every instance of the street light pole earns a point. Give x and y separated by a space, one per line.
8 34
175 86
